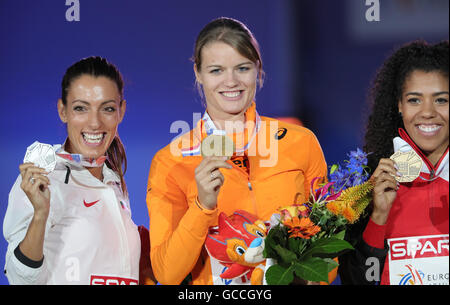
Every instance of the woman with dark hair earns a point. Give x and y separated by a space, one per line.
68 219
405 239
271 163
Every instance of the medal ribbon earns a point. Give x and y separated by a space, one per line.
433 169
207 127
80 160
242 140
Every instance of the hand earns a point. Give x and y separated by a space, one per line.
384 191
209 180
35 185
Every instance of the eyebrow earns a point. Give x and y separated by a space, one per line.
420 94
241 64
87 103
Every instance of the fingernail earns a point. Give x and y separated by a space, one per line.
399 174
396 167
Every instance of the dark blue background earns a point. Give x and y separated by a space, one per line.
319 57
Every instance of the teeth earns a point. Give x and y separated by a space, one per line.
93 138
428 128
231 94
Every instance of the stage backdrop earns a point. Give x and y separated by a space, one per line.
319 57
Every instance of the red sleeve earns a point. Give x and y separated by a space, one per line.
374 235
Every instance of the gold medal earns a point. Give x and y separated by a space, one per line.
409 165
218 146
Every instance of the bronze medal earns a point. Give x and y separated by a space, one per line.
409 165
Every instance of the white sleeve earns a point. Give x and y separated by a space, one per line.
19 269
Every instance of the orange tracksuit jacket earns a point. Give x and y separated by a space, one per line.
178 226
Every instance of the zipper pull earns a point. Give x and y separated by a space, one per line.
250 186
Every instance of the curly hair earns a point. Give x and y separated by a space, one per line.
385 120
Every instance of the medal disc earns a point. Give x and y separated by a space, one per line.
217 145
409 165
42 155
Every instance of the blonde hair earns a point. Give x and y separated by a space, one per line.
235 34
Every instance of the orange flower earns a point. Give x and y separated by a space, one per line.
350 214
301 227
335 207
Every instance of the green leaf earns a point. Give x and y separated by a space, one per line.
340 235
269 252
331 264
286 255
278 275
294 244
274 238
313 269
327 247
333 168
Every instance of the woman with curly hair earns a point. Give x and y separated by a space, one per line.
405 239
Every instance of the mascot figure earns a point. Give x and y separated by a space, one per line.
237 244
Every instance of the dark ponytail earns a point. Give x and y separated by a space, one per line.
117 160
97 66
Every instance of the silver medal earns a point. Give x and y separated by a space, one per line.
42 155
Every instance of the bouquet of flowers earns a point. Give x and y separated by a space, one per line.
308 237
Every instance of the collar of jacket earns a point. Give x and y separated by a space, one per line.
80 173
78 159
206 127
404 143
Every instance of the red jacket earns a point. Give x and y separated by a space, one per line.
417 227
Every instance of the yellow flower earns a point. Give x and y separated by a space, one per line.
292 211
355 193
352 202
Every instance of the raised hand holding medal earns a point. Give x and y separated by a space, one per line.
401 167
39 160
42 155
215 149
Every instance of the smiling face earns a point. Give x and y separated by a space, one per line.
93 111
228 80
424 105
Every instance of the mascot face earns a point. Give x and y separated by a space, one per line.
237 243
251 254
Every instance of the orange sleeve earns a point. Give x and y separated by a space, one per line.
317 166
178 227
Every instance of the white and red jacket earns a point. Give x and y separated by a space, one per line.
417 228
90 237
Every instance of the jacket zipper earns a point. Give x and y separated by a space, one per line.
125 257
249 184
251 191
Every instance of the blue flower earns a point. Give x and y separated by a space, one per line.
358 157
352 174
